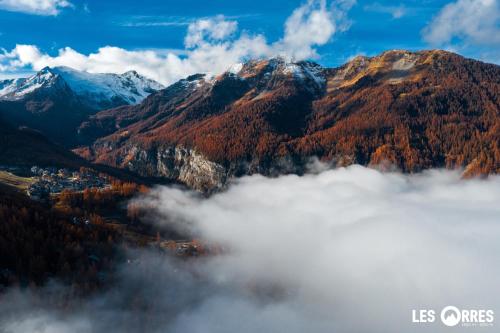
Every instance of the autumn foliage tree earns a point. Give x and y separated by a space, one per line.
37 243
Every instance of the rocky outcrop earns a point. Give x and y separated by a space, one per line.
177 163
195 170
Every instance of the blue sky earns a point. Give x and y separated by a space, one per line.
367 27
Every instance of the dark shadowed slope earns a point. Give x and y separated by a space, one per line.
26 147
57 100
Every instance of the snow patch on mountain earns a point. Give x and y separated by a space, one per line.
10 86
309 73
130 87
315 72
95 90
15 89
235 68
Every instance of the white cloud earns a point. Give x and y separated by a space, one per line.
36 7
212 46
347 250
396 12
209 31
310 24
475 22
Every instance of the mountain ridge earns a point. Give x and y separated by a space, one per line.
413 110
100 89
57 100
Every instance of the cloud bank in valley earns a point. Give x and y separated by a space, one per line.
212 45
346 250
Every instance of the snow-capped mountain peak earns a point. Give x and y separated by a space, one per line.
129 87
95 90
15 89
7 87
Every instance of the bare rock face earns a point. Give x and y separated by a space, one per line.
196 171
179 163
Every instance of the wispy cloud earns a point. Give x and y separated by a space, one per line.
475 22
171 21
467 26
396 12
156 21
35 7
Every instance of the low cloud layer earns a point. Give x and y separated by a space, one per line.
212 45
346 250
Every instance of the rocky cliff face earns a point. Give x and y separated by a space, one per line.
198 172
182 164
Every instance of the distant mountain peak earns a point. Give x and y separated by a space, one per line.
131 73
272 72
392 67
97 91
16 89
46 69
55 100
195 77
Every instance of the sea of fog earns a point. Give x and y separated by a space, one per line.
345 250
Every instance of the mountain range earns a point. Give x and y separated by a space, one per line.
400 109
56 100
410 110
